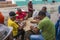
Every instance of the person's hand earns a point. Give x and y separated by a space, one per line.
22 25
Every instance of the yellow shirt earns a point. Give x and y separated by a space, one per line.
14 25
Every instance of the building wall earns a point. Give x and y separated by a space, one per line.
8 0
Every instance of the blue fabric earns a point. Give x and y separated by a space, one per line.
56 26
36 37
48 14
57 33
59 9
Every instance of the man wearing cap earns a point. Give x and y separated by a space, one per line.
47 27
17 29
12 23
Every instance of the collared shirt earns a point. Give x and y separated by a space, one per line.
21 15
14 25
48 28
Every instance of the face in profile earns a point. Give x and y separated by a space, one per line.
40 17
19 10
44 9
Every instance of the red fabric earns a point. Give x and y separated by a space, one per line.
1 18
21 15
30 7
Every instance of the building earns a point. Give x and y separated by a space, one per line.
7 3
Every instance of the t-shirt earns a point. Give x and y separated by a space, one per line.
21 15
48 28
14 25
30 7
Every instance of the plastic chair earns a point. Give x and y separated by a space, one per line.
9 30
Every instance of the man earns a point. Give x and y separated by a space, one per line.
44 9
11 23
20 15
33 31
47 27
17 30
30 9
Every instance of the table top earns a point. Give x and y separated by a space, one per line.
28 24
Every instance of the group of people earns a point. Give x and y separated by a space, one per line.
40 25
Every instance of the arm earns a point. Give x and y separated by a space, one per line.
41 25
35 21
14 25
26 16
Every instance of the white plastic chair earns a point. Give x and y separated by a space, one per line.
9 32
35 13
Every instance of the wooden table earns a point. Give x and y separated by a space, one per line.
28 24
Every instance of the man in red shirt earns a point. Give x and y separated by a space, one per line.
21 15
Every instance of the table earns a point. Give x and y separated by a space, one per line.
28 24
